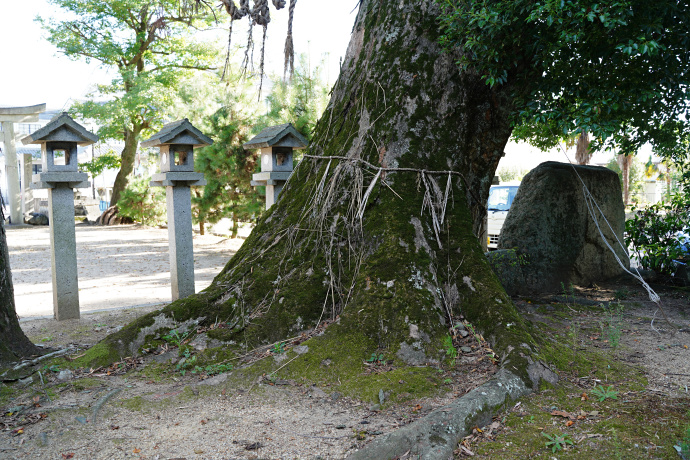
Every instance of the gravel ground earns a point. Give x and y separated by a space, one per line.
119 266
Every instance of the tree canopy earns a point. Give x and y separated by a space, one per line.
617 69
152 48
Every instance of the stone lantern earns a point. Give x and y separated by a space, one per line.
61 137
276 144
177 142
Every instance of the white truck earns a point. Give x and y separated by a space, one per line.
500 199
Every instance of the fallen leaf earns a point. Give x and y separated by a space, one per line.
136 451
569 423
70 455
204 422
561 413
584 397
18 431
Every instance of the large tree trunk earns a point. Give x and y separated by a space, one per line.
582 152
13 343
128 156
369 239
624 161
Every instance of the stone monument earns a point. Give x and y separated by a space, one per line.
61 137
8 117
177 142
276 144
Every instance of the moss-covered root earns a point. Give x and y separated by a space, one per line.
436 435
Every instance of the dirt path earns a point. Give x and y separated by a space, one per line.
120 266
142 412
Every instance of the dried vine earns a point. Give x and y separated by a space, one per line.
259 14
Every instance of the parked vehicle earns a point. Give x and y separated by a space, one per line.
500 199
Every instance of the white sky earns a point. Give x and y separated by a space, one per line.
34 72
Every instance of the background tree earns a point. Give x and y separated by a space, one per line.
149 46
300 100
13 343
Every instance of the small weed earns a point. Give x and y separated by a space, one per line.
376 358
557 442
279 348
574 335
54 368
187 362
47 339
612 329
569 294
530 419
447 381
212 369
621 294
603 393
175 338
451 351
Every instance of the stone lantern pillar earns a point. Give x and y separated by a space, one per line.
61 137
276 144
177 142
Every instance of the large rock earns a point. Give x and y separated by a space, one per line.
37 219
551 229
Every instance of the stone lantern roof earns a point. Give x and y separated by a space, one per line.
178 132
278 136
61 129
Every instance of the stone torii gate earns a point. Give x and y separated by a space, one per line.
8 117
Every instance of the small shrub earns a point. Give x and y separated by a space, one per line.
558 442
143 203
175 338
451 351
376 358
602 393
652 233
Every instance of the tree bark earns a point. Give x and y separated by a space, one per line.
128 156
582 152
624 161
375 231
13 343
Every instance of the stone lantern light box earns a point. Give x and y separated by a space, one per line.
277 144
60 137
177 141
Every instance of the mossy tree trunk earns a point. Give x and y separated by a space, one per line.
13 343
370 241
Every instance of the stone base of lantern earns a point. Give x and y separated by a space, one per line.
63 254
178 197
